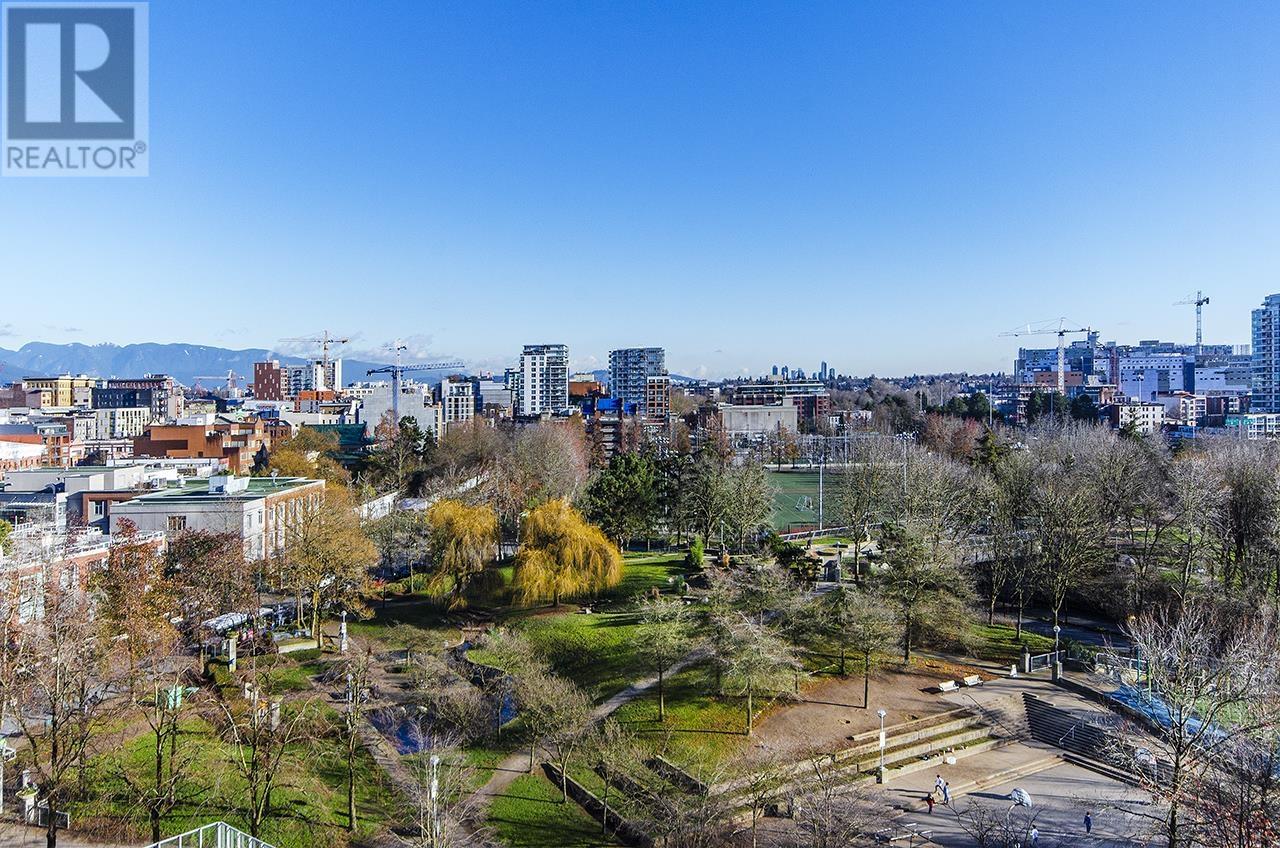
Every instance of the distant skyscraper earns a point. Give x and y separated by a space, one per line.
629 372
1266 356
542 380
786 373
775 370
822 374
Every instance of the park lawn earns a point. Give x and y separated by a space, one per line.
642 572
702 729
530 814
310 799
293 672
597 652
999 643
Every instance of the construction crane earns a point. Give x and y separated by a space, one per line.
397 371
1045 328
324 341
1198 302
231 378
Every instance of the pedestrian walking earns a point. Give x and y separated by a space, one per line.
1035 837
938 783
928 799
946 793
1088 822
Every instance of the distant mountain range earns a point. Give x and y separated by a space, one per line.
184 362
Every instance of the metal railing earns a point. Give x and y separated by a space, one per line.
216 835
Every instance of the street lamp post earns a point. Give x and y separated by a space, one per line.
880 773
435 796
1056 631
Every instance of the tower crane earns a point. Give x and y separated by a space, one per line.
1198 302
324 341
231 378
1046 328
397 371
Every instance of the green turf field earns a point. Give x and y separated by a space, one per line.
795 498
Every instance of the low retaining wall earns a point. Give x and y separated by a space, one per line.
677 776
623 828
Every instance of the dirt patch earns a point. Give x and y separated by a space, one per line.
832 711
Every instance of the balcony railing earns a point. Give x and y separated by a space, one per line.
216 835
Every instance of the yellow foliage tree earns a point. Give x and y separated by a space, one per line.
308 453
562 554
462 539
327 556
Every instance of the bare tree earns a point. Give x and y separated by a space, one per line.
558 716
858 622
259 733
1198 499
67 694
925 596
664 636
992 827
1214 679
160 696
1070 534
758 664
441 808
826 813
356 676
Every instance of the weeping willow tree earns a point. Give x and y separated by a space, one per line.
563 555
462 539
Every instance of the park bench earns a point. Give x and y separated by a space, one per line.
948 686
973 680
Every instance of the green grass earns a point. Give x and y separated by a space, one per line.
789 488
701 729
642 572
529 814
999 643
595 651
310 801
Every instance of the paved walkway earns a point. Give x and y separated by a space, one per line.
517 763
14 835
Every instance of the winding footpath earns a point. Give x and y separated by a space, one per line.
516 764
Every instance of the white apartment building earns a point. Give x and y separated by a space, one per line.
416 402
123 423
1185 408
542 380
1145 417
457 399
259 509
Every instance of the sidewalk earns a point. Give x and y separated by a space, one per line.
14 835
1078 628
907 792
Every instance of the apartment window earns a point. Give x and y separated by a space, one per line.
99 509
177 523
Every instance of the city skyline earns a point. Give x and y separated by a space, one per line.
916 174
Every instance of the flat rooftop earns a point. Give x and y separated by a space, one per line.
196 491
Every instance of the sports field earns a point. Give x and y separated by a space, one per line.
795 498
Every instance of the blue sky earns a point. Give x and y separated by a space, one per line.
886 187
